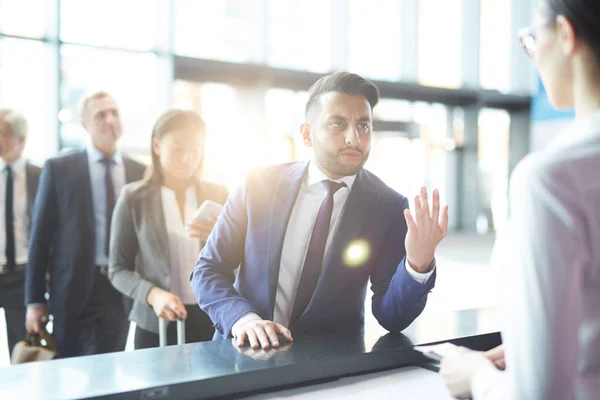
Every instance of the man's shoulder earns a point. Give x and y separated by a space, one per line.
32 167
66 157
383 190
273 173
137 190
133 162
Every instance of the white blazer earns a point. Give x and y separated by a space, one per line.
549 261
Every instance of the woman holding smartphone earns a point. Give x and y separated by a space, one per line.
155 237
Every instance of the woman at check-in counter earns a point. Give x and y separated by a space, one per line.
550 253
155 240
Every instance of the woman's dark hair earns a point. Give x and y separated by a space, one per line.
585 17
343 82
173 120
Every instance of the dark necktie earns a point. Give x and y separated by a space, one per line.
110 199
313 263
9 218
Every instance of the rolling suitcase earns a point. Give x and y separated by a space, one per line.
162 331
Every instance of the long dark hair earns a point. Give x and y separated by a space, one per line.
173 120
584 16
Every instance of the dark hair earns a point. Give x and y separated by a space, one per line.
173 120
342 82
585 17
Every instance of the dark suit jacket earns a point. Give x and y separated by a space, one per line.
139 233
62 237
32 176
250 234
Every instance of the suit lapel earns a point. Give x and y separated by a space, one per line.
86 188
29 182
283 202
361 201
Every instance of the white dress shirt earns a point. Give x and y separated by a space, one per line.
21 221
297 238
549 257
97 179
183 250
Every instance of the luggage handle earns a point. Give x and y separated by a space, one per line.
162 331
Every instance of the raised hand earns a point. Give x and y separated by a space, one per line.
425 231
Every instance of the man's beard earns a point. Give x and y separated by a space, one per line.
331 161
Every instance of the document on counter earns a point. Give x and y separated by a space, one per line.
438 351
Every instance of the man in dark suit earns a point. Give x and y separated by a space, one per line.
18 187
308 236
70 237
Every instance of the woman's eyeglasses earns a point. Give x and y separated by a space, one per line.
528 37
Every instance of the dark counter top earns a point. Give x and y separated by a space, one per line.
211 369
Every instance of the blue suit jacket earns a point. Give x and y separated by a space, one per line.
250 234
61 243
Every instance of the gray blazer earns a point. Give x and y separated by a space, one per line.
139 247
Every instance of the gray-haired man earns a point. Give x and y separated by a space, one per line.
18 187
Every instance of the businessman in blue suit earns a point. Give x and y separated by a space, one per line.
70 235
308 236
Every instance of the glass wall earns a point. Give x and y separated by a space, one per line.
493 140
300 35
440 43
130 77
17 19
108 23
494 47
375 39
51 58
27 84
199 28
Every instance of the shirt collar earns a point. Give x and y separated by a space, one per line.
580 130
315 175
17 166
96 156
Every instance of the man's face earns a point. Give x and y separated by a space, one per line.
103 121
339 131
11 146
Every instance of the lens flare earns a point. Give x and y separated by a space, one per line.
357 253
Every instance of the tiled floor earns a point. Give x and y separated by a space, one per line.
464 281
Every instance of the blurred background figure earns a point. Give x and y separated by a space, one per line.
18 187
70 238
154 222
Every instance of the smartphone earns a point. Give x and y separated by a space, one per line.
208 210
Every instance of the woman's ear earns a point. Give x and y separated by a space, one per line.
566 35
156 146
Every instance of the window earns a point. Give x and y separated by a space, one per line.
27 84
121 24
220 30
393 110
440 43
300 34
17 18
406 164
285 113
398 161
493 142
495 39
130 77
374 39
